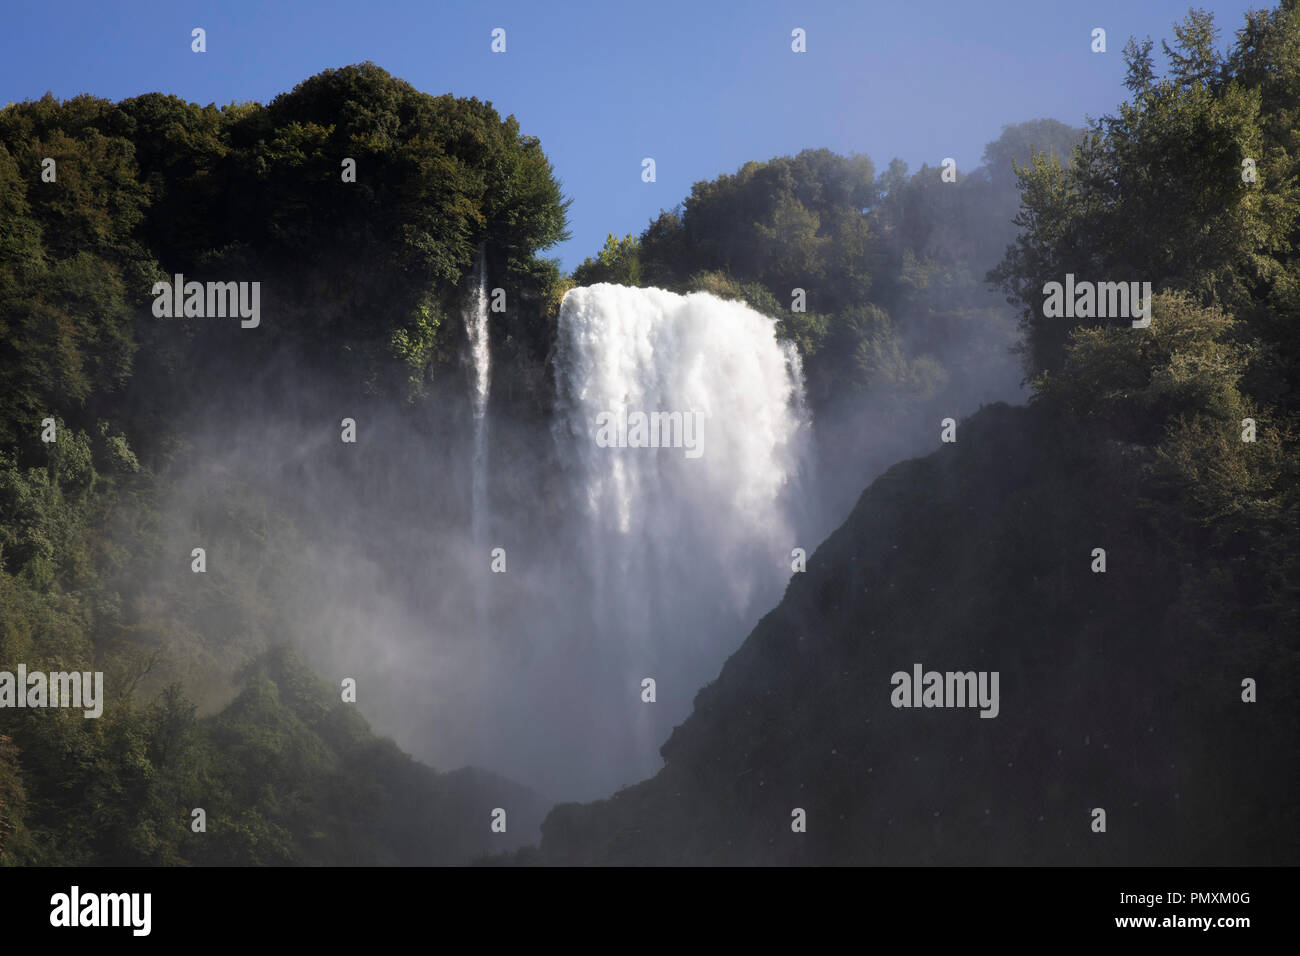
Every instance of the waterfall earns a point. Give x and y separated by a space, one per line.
625 350
648 529
476 326
681 425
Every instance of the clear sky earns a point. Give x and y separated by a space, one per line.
702 87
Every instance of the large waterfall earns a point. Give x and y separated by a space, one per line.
706 362
644 533
681 547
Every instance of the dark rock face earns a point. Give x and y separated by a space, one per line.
975 558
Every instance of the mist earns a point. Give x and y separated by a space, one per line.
621 564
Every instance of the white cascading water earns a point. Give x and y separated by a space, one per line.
476 325
627 564
681 552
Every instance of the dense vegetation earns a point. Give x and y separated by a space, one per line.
892 265
360 279
1120 690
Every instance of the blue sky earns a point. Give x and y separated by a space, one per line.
701 87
